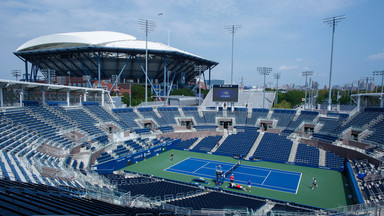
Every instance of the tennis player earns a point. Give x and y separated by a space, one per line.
314 183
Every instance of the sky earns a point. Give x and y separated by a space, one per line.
287 35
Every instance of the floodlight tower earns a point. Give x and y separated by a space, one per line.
148 26
264 71
232 29
200 68
332 21
306 74
380 73
16 73
277 77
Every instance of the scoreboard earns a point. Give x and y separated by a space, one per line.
225 93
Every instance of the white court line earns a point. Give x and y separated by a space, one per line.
176 164
182 172
201 167
211 161
266 178
298 184
268 169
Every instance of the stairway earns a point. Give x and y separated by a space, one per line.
292 155
255 145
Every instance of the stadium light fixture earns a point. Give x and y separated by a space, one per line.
264 71
148 26
200 68
277 77
332 21
16 73
306 74
232 29
380 73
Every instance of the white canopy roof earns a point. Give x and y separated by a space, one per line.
93 38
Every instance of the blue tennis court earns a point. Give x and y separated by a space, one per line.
279 180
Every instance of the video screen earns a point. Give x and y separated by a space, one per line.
225 93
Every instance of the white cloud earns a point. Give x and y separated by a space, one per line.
377 56
299 59
288 67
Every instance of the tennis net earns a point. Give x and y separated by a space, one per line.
228 172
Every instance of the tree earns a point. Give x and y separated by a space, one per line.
283 104
294 97
138 95
183 91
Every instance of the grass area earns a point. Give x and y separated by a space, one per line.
330 193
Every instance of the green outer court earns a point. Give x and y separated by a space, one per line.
330 193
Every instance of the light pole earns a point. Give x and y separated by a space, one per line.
332 21
277 77
200 68
306 74
69 78
232 29
380 73
147 26
264 71
16 73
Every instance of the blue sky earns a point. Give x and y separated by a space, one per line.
287 35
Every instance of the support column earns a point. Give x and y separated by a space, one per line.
358 103
21 97
85 96
102 98
26 69
68 97
1 98
165 78
99 70
43 96
210 84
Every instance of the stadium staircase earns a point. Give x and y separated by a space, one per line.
292 155
206 100
322 157
195 143
254 147
263 210
221 141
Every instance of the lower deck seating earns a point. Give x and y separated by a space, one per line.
216 200
185 144
273 147
206 144
239 144
307 155
18 198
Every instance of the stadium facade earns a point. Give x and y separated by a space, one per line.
105 55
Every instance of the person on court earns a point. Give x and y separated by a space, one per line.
249 185
171 159
314 183
232 178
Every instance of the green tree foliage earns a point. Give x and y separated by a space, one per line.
345 99
205 92
138 95
283 104
183 91
290 99
294 97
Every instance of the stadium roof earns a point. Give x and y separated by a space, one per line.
101 54
95 38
